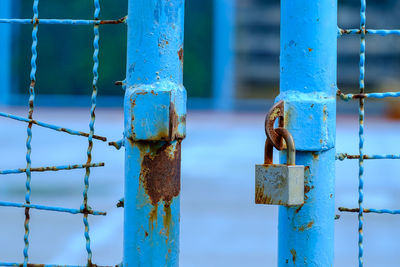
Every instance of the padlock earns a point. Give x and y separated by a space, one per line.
280 184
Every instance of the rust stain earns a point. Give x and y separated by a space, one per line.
315 155
33 83
307 226
299 208
36 22
355 156
173 122
167 219
353 210
307 189
180 54
146 234
160 177
27 216
325 116
141 92
294 255
310 49
163 134
277 111
121 20
153 217
121 203
260 198
115 144
131 138
54 168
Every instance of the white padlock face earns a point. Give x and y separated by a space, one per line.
280 184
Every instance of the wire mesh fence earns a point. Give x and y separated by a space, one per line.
84 209
361 96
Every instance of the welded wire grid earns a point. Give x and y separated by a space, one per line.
361 96
84 209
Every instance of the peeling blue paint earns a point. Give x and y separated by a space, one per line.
155 124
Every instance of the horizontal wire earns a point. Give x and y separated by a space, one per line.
51 265
343 156
347 97
48 208
50 126
53 168
381 32
63 21
381 211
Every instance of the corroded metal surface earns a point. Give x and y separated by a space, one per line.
161 171
50 126
278 184
53 168
155 124
276 112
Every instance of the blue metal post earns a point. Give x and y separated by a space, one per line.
155 119
308 87
224 85
5 51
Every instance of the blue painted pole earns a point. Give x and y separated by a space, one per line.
155 119
308 87
5 52
224 84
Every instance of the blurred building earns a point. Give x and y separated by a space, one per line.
216 73
257 47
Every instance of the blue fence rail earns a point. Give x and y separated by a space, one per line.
155 125
84 209
308 58
309 88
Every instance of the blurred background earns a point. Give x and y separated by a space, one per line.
231 72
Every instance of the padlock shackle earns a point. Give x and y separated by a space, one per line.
268 152
291 148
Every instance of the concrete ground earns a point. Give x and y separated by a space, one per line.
220 225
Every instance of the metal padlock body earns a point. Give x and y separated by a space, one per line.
280 184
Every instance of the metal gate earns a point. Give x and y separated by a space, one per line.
155 119
155 108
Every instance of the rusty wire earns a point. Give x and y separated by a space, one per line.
362 96
85 209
